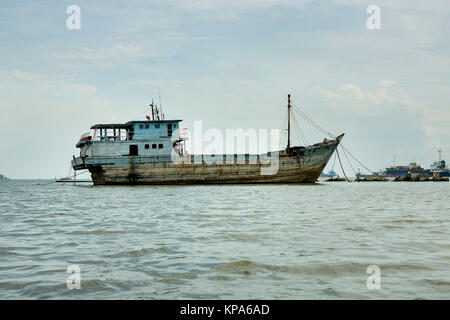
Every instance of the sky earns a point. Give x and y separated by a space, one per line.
230 64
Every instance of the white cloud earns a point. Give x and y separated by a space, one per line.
386 83
47 116
437 135
417 5
385 96
230 9
21 75
220 5
49 102
346 91
388 99
115 50
112 54
437 127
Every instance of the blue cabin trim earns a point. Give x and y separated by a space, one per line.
133 138
145 130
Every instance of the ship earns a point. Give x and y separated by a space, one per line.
360 175
437 168
330 174
401 171
153 152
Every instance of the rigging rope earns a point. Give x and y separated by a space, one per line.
337 152
301 132
345 149
281 142
334 161
345 154
70 170
318 127
312 122
45 184
298 130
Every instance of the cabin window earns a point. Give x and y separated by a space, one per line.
169 129
147 126
133 150
157 126
147 146
160 146
174 125
141 126
154 146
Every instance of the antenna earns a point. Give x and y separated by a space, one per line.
160 104
157 113
289 124
440 152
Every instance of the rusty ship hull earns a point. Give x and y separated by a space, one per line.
153 152
297 165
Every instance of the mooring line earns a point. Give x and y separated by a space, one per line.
337 152
46 184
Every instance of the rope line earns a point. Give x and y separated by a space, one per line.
334 161
283 131
345 154
337 152
345 149
312 122
301 131
318 127
45 184
298 130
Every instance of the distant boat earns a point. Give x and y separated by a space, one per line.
330 174
360 175
439 167
143 152
401 171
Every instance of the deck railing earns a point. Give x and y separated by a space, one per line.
177 134
139 135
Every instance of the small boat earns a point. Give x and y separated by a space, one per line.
439 168
153 151
330 174
335 178
65 179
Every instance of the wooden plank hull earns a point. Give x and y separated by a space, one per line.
135 170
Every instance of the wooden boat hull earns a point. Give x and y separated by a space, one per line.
304 167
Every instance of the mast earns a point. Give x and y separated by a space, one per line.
153 111
157 113
289 124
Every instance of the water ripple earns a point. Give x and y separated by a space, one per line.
225 242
